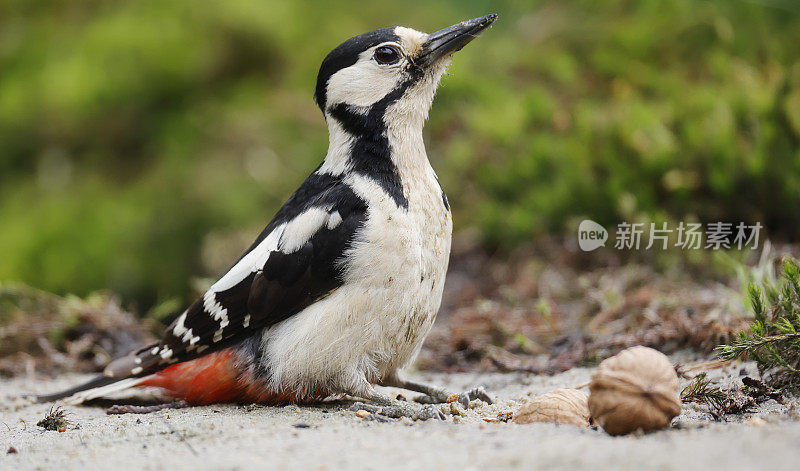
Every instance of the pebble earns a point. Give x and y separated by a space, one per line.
756 422
455 409
362 413
476 404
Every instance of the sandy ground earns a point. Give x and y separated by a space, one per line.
330 437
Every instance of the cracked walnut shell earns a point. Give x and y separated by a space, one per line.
636 389
560 406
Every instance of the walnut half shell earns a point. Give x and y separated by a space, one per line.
560 406
637 389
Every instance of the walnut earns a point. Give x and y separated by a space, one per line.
637 389
560 406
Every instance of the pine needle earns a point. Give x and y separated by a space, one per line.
774 338
700 390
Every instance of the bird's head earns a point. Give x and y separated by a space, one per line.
393 67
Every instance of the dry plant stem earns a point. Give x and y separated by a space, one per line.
709 365
130 409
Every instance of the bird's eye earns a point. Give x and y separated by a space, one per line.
387 55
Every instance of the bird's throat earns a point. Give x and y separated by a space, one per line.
377 142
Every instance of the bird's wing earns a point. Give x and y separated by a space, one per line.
296 261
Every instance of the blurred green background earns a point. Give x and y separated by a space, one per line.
145 143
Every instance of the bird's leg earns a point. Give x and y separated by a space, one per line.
435 394
131 409
390 407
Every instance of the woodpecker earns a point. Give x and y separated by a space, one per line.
338 292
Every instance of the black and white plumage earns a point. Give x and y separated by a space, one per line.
342 286
291 264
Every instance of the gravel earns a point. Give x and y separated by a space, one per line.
331 437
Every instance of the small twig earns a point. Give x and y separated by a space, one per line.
709 365
131 409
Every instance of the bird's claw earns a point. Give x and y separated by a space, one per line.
476 393
371 408
464 398
412 411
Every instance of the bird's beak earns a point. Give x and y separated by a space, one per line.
449 40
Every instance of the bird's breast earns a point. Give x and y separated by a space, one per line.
400 258
404 244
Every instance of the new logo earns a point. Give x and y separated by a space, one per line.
591 235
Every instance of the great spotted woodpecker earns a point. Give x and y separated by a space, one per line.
339 291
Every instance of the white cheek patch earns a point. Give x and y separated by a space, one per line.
363 83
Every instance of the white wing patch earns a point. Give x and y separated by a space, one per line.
214 308
287 238
179 328
334 220
219 313
180 331
252 262
300 229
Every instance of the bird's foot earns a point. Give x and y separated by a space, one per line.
464 398
131 409
398 409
